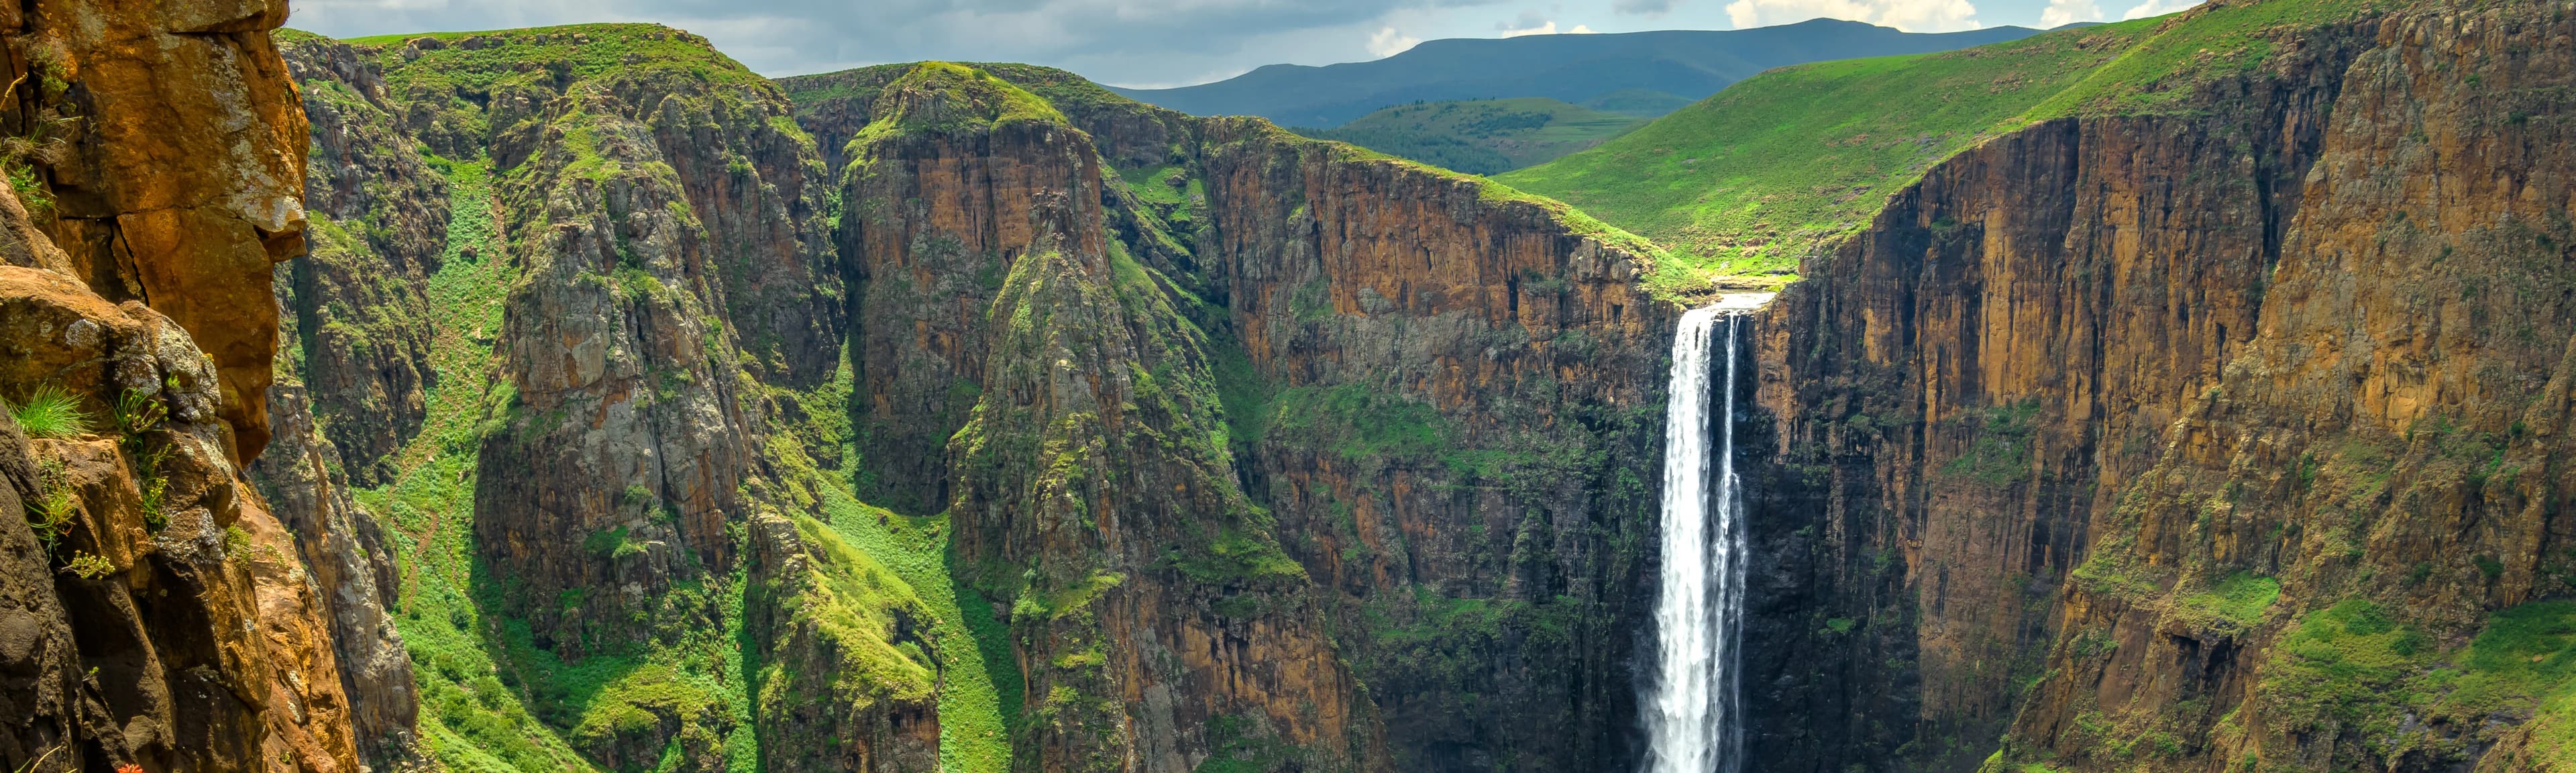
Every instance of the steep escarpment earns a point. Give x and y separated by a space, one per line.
2183 428
160 612
356 308
1336 435
2385 447
562 333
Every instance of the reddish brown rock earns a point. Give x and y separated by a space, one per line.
182 176
200 644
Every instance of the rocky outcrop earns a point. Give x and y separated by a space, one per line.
348 562
159 613
171 150
2072 439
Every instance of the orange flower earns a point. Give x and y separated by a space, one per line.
129 768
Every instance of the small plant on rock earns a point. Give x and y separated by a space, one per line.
50 515
154 488
237 544
90 566
137 413
50 413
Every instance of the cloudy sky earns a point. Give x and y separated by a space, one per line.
1160 42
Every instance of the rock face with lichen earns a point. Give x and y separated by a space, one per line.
160 612
2209 436
1287 418
172 153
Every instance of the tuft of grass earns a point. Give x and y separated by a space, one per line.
236 544
137 413
50 413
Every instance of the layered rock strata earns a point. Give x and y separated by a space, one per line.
1345 421
2079 440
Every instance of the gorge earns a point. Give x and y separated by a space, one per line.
2185 393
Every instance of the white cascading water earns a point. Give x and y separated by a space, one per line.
1691 721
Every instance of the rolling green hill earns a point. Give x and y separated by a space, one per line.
1482 136
1757 177
1656 71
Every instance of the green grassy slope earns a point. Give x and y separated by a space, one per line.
1786 163
1481 136
1751 180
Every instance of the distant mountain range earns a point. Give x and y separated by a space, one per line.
1638 73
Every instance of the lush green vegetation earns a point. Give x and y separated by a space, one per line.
2238 601
2356 670
1786 163
505 58
2158 74
979 98
1769 170
470 719
1482 136
979 679
1356 423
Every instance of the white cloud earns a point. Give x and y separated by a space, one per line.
2159 8
1647 7
1547 28
1388 42
1907 15
2064 12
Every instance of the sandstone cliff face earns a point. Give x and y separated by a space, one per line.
179 168
2078 444
159 611
159 614
2387 439
1280 416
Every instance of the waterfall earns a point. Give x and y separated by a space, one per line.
1692 721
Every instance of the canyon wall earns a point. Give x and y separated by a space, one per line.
1391 408
2087 442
